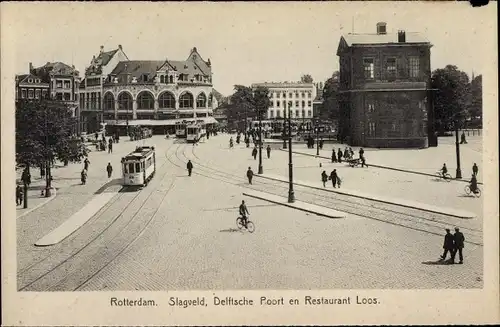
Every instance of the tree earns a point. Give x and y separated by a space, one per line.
261 101
476 99
450 101
306 78
44 133
330 105
241 106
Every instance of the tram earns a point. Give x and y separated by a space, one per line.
195 132
180 130
139 166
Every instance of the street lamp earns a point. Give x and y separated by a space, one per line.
457 148
291 194
284 125
317 136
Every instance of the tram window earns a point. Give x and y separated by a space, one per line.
131 168
125 168
137 167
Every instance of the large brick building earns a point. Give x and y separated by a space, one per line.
385 96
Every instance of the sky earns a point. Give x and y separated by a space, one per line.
246 42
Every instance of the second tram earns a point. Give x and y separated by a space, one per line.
195 132
139 166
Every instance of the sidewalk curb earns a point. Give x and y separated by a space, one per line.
52 197
296 207
372 199
384 167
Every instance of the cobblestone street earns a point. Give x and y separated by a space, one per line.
180 232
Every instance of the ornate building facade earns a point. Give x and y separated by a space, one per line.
385 91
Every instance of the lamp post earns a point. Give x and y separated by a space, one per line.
291 194
317 137
457 148
261 170
284 125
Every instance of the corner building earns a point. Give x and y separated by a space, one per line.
385 95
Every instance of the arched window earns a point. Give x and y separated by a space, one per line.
162 79
125 101
145 101
109 101
186 100
201 100
166 100
171 79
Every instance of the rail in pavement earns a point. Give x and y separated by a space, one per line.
299 205
383 167
400 202
77 220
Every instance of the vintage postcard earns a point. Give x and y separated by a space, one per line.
206 163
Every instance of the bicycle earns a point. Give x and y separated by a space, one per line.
468 191
447 177
250 225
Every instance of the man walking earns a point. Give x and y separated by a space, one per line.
334 156
109 169
254 153
448 245
459 239
475 169
333 178
189 167
110 145
249 175
268 149
86 164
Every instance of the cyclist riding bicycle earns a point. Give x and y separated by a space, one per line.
444 170
244 212
473 184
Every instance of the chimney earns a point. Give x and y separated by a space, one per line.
31 68
401 36
120 46
381 28
102 48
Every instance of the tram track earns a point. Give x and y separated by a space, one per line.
105 245
411 218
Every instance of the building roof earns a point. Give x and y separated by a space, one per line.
101 60
283 85
56 68
389 38
137 68
217 95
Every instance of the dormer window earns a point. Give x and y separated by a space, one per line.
30 80
144 77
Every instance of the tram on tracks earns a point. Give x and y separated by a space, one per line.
139 166
195 132
180 130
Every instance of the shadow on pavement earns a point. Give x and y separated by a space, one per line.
230 230
438 262
112 182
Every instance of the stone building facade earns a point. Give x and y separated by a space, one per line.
385 94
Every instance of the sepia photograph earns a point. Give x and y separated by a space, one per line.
229 155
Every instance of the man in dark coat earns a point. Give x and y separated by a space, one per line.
249 175
339 155
254 153
324 178
334 156
459 245
189 167
333 178
268 149
448 245
109 169
475 169
86 164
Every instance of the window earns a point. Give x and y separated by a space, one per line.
67 96
303 104
390 65
303 94
171 79
44 94
23 94
37 94
414 67
278 95
290 95
186 100
144 77
201 100
284 95
125 101
370 106
309 95
30 80
162 79
296 103
30 94
296 113
67 84
137 167
278 104
59 96
271 114
278 113
145 101
371 129
309 114
166 100
369 68
58 84
309 103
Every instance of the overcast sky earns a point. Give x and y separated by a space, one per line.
246 42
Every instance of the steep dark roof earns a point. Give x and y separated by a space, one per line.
217 95
137 68
56 68
105 57
24 79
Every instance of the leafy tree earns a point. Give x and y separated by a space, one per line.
44 132
261 101
476 100
450 102
242 106
306 78
330 106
